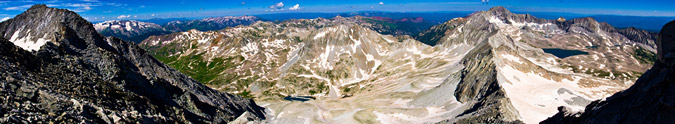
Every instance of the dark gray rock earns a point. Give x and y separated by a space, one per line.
479 87
650 100
82 77
666 43
639 36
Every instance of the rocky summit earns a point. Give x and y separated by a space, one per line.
55 68
488 67
649 100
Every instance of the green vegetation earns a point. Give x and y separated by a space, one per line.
644 56
245 94
203 71
346 90
252 33
298 39
433 35
380 22
604 74
195 66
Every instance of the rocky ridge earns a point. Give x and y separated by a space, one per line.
56 68
488 67
649 100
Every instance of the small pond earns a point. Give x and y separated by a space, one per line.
563 53
299 98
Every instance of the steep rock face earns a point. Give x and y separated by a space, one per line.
479 85
532 82
432 35
649 100
129 30
76 75
640 36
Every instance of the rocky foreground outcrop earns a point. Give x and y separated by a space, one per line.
54 67
650 100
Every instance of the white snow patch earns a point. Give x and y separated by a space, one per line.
536 97
432 115
320 34
326 56
26 43
389 40
512 58
203 40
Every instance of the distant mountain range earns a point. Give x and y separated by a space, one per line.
652 24
137 30
210 24
129 29
428 19
432 17
164 20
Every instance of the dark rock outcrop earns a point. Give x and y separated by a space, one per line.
587 23
640 36
479 87
650 100
79 76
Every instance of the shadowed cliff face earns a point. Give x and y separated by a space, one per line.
56 68
650 100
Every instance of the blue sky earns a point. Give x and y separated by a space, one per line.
99 10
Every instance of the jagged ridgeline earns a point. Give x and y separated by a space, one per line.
649 100
489 67
55 68
137 31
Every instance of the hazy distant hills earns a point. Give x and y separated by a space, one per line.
164 20
433 17
137 30
651 24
